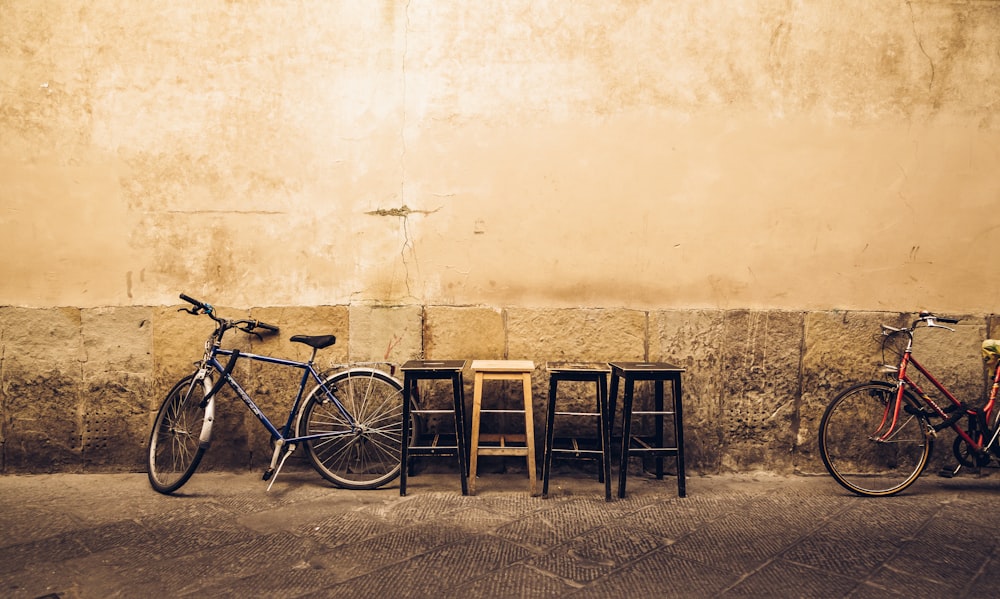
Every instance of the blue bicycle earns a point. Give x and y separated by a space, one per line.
350 423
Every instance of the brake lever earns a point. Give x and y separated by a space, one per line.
249 330
190 311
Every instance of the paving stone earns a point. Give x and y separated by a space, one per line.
755 535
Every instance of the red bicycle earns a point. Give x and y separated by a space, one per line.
876 437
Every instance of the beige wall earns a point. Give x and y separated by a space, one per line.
802 155
744 187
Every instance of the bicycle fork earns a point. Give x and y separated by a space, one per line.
208 403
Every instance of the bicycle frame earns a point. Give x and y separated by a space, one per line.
309 371
904 382
348 421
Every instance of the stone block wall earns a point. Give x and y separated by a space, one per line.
79 387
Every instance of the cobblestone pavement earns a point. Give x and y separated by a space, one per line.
110 535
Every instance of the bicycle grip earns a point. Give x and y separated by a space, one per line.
947 320
192 301
267 327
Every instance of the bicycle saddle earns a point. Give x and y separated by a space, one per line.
315 341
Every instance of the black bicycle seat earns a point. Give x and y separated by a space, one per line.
315 341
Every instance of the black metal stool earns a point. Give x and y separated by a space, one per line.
657 372
586 373
417 370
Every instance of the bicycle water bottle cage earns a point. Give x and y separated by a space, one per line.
222 379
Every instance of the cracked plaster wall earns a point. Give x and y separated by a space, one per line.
716 154
747 187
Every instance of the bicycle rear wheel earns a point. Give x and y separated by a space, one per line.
853 455
363 456
175 447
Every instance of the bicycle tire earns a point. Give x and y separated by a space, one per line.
176 442
859 462
367 457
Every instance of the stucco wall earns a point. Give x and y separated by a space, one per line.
720 154
747 187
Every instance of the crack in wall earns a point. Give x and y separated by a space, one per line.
920 44
408 248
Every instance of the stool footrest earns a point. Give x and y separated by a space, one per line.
502 439
579 453
590 448
639 446
435 447
503 451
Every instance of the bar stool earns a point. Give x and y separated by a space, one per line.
585 373
657 372
418 370
502 370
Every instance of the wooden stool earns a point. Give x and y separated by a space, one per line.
417 370
657 372
502 370
600 447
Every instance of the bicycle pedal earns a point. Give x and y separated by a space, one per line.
949 472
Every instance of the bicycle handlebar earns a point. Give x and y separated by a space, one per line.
247 326
932 320
198 305
270 328
929 319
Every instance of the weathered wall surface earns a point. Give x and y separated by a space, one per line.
747 187
765 154
79 387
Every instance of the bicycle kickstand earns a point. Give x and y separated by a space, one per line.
272 472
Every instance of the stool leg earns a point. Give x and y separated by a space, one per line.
477 401
600 428
626 435
459 398
679 436
605 423
612 400
549 436
529 433
404 458
658 423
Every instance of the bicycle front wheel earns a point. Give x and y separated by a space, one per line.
365 453
175 447
852 447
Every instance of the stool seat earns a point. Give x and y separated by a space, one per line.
502 370
417 370
503 366
657 373
582 372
